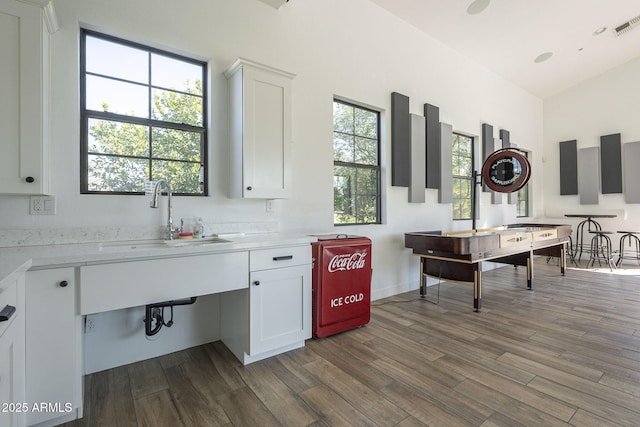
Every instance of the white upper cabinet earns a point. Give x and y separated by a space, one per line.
260 131
24 104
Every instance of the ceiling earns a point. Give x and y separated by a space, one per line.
508 35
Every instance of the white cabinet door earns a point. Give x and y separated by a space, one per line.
12 398
260 130
280 308
53 359
24 57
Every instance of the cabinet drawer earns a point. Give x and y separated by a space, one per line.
544 234
8 296
286 256
108 287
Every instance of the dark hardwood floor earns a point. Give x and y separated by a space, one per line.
567 353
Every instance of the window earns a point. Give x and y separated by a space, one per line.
356 164
143 117
462 152
522 205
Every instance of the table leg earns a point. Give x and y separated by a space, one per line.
422 279
477 286
563 258
530 270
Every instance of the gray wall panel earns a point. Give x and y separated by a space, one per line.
631 151
418 150
487 147
568 168
445 193
611 164
432 113
505 136
588 175
400 140
496 197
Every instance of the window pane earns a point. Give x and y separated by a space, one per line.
456 188
171 73
342 118
108 173
176 144
343 147
366 123
465 188
109 137
107 58
343 195
117 97
182 176
366 209
177 108
464 166
366 181
465 209
366 151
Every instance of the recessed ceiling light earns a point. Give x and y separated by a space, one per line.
543 57
599 31
477 6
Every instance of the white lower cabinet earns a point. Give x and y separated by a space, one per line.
53 348
12 398
280 308
275 315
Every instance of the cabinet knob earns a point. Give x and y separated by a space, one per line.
30 179
257 283
64 284
249 188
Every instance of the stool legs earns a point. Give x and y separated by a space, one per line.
601 247
580 235
629 237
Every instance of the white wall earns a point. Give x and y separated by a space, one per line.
604 105
352 49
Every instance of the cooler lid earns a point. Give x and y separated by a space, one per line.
326 237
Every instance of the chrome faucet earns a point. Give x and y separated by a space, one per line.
154 204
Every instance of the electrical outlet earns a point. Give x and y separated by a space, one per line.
269 205
42 205
90 323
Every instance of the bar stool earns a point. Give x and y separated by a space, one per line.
592 226
629 236
601 248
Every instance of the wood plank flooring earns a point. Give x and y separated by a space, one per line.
567 353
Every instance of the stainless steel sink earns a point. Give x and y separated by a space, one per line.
129 245
195 242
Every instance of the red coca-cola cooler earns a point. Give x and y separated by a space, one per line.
341 283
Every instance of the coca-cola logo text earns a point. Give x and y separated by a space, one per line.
342 262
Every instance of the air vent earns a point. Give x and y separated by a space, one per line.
627 26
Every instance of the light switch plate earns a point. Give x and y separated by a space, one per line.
42 205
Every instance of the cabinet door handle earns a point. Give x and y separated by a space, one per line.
63 284
30 179
283 258
7 312
249 188
257 283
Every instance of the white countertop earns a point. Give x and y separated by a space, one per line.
16 260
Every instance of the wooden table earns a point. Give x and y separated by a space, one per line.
458 256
